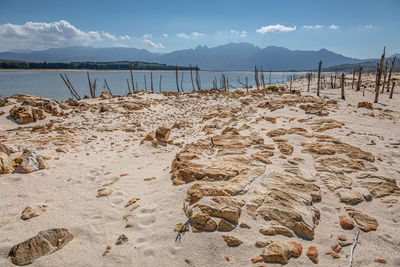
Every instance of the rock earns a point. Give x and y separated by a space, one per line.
285 149
333 254
312 254
6 165
280 251
244 225
131 201
378 260
365 222
346 223
232 241
180 227
106 95
122 239
44 243
151 137
276 230
33 211
8 149
366 105
162 134
263 243
256 259
341 238
336 247
263 156
203 222
103 192
225 226
335 181
349 196
21 114
104 108
30 162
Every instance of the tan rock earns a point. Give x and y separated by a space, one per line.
244 225
279 252
232 241
21 114
276 230
106 95
122 239
349 196
225 226
44 243
203 222
256 259
33 211
162 134
263 156
285 149
365 222
366 105
103 192
30 162
346 223
180 227
6 165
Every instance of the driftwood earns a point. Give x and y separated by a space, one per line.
391 91
108 88
182 82
353 247
390 73
359 79
71 89
378 76
198 81
191 77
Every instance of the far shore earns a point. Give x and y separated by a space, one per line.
146 70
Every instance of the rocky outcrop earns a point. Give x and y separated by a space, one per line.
29 162
6 164
364 221
44 243
21 114
232 241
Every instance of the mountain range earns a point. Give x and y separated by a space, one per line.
231 56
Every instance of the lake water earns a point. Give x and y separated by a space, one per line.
49 83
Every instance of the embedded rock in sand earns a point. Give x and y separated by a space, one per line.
226 208
29 162
312 254
151 137
225 226
338 165
335 181
366 105
103 192
44 243
346 223
162 134
316 109
365 222
263 156
33 211
289 202
285 149
280 251
203 222
8 149
6 165
232 241
21 114
379 186
106 95
276 229
349 196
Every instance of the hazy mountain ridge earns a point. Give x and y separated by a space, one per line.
231 56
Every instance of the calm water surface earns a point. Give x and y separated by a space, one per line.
49 83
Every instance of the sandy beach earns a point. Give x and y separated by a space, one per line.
266 175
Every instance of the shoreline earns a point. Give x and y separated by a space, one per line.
77 70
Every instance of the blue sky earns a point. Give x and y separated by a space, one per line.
354 28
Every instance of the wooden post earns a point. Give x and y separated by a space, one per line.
319 77
108 88
182 82
308 81
384 77
145 83
160 83
378 76
129 88
191 77
291 81
390 73
354 75
359 79
90 85
133 84
256 76
342 91
151 82
198 81
391 91
70 87
176 76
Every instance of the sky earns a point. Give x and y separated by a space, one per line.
358 28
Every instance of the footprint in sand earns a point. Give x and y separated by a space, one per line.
117 198
146 217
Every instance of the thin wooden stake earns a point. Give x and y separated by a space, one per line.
353 247
160 83
319 77
391 91
108 88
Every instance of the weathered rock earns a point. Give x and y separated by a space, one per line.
228 210
103 192
21 114
232 241
30 162
244 225
366 105
33 211
151 137
280 251
8 149
203 222
225 226
349 196
276 230
6 165
106 95
312 254
180 227
44 243
263 156
122 239
285 149
316 109
162 134
365 222
256 259
335 181
346 223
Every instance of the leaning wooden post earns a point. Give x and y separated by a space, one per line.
182 82
133 84
256 76
191 77
129 88
90 85
342 92
308 81
151 82
359 79
391 91
145 83
354 75
108 88
319 77
384 77
390 73
378 76
160 83
198 81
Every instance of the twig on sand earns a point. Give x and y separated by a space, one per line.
353 247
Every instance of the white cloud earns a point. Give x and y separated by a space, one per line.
124 37
241 34
121 45
333 27
275 28
165 35
147 36
369 26
41 35
152 44
108 35
190 36
312 27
